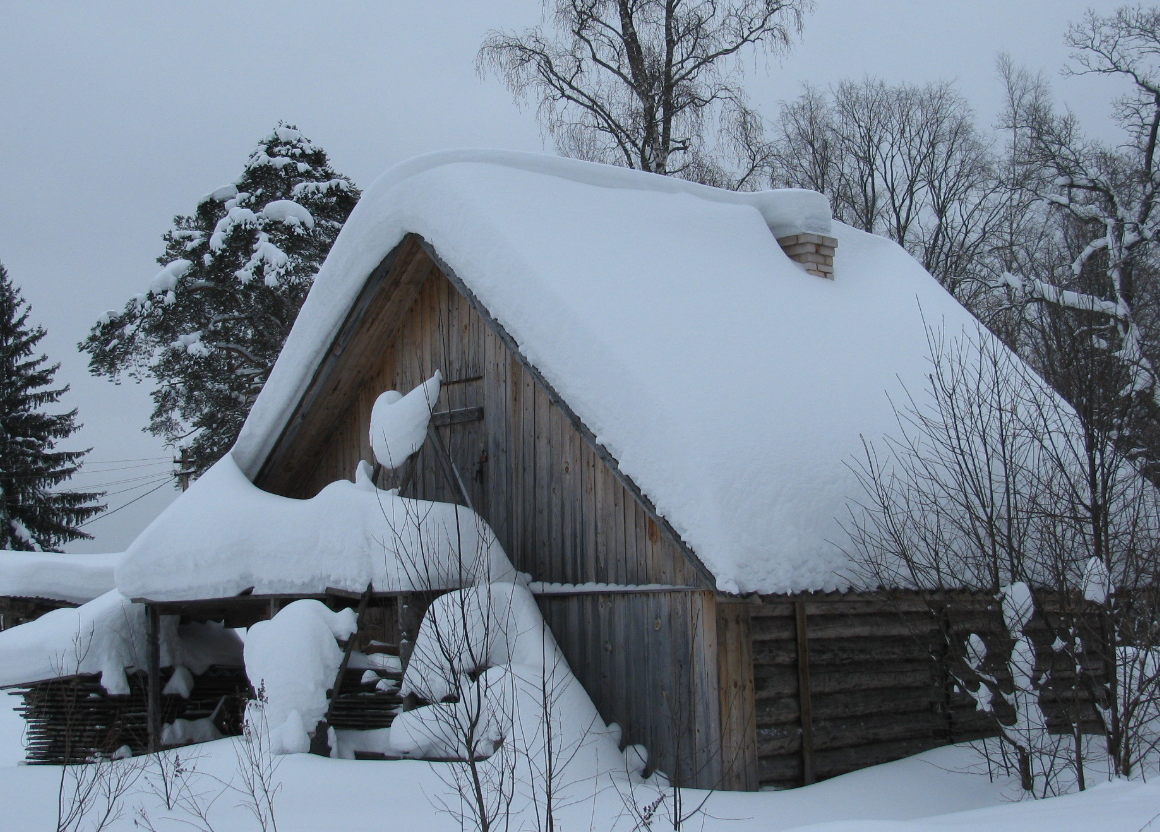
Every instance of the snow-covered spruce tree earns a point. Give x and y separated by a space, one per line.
234 275
34 516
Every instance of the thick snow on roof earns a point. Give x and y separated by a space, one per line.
224 536
72 578
730 385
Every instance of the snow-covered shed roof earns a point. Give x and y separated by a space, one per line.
731 386
225 537
56 577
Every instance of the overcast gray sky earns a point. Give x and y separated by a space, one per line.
115 116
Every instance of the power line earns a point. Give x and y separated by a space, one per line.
98 485
137 459
118 508
79 473
134 487
85 467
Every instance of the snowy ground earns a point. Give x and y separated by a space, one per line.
933 792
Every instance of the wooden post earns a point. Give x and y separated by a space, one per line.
409 618
320 742
183 469
153 679
804 703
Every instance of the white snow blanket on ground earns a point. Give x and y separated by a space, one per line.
72 578
731 386
224 536
107 636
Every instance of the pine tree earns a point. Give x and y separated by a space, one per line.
33 515
234 275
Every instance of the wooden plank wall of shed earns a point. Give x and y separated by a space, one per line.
557 509
648 660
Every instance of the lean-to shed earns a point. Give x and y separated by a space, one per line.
653 406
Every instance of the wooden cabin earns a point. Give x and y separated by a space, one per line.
652 404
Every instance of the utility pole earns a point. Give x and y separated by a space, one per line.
183 468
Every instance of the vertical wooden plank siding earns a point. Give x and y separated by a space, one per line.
556 508
738 712
648 661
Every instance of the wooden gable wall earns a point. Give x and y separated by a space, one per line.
560 512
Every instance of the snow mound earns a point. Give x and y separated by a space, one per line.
730 386
488 648
399 423
107 636
225 536
71 578
293 660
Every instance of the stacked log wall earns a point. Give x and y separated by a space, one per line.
872 683
75 720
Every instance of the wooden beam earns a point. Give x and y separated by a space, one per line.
805 703
448 466
606 457
457 416
153 671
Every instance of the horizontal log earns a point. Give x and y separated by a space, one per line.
781 772
846 733
909 674
832 763
841 652
880 702
777 711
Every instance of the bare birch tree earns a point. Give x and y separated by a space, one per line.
650 84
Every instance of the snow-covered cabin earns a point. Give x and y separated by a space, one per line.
650 404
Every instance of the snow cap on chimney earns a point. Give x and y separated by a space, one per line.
802 223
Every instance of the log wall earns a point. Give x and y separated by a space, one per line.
846 681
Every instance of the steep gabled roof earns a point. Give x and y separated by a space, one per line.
730 386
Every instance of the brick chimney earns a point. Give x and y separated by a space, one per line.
813 251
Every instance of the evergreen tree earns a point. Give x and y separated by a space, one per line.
34 516
234 275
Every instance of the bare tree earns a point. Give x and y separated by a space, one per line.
257 766
903 161
1105 197
90 794
995 483
650 84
